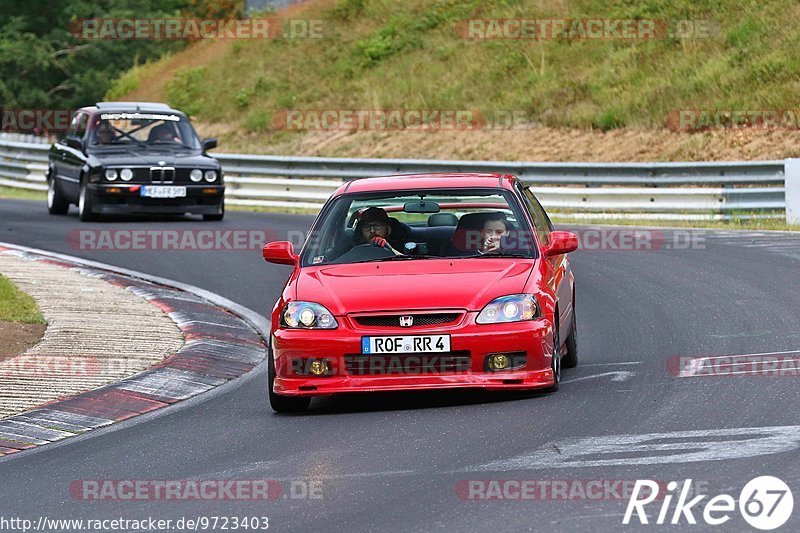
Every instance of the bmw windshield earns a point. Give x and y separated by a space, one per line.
145 130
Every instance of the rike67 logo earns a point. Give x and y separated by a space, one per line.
765 503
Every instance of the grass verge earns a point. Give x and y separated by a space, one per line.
23 194
16 306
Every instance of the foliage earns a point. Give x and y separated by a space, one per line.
44 65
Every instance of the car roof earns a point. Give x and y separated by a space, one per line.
131 106
455 180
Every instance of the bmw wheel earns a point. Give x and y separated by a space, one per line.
56 203
85 204
217 216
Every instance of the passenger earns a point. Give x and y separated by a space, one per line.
495 227
162 134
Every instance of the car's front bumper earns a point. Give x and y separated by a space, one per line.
340 347
119 199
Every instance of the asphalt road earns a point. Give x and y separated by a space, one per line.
394 462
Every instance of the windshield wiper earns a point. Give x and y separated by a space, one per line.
499 254
400 258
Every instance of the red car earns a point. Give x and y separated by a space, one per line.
424 281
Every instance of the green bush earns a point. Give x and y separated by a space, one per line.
184 92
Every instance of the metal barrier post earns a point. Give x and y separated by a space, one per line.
793 191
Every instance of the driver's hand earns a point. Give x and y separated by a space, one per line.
380 242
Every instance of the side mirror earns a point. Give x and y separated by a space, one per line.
280 253
209 143
73 141
561 242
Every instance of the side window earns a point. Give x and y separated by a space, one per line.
83 120
540 218
78 125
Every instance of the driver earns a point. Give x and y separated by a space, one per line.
104 134
375 228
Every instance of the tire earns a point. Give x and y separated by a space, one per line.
85 204
218 216
555 362
283 404
570 360
56 203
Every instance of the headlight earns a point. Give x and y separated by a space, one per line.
307 315
210 175
512 308
111 174
196 175
126 174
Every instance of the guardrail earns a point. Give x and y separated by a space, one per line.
573 190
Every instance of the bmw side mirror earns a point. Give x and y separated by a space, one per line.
561 242
209 143
73 141
280 253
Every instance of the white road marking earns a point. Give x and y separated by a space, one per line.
697 366
746 355
619 375
654 448
613 364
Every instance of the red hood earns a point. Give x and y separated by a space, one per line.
426 284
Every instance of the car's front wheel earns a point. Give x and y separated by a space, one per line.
555 362
283 404
56 203
85 207
570 359
217 216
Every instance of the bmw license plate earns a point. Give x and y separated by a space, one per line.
161 191
405 344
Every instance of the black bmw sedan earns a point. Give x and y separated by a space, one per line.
134 157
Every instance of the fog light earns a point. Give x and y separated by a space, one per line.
499 362
318 368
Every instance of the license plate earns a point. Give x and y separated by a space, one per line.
405 344
160 191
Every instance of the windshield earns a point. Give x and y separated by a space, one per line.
457 224
157 131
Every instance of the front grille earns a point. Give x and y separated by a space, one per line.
418 320
162 174
420 364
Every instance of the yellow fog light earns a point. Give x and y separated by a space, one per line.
499 362
318 368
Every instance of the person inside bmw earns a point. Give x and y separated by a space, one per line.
104 134
374 227
162 134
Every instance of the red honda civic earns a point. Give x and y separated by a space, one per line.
424 282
